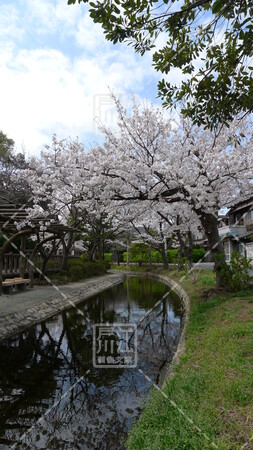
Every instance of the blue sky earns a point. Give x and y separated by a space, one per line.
56 69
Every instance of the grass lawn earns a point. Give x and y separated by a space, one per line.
213 384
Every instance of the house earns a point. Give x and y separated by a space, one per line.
236 229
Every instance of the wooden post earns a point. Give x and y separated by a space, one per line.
3 251
11 263
6 264
22 259
15 263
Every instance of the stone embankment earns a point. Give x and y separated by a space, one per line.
21 310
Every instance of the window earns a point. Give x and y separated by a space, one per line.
242 249
227 250
249 217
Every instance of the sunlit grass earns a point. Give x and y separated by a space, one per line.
213 385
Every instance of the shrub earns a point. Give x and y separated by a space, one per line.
95 268
63 273
139 253
38 263
106 264
183 264
108 257
234 276
76 273
197 254
75 269
84 257
53 264
79 270
172 256
156 257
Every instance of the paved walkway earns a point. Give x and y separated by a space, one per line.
23 309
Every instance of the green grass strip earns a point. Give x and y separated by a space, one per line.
213 384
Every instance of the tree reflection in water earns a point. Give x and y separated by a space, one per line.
41 364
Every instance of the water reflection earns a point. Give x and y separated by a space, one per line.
44 371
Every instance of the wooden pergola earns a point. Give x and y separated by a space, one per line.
10 215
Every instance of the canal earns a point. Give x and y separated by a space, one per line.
58 390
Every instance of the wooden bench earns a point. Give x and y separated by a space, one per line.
20 283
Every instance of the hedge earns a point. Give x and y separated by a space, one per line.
172 255
198 254
79 270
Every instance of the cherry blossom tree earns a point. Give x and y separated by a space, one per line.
150 159
150 170
161 228
54 180
63 190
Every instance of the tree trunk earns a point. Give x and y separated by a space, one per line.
117 257
46 256
66 248
100 251
103 250
180 255
189 248
44 264
164 257
65 258
127 252
91 253
150 259
210 225
33 256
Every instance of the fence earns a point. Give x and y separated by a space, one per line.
11 264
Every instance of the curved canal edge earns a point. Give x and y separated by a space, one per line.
41 307
176 287
11 324
181 344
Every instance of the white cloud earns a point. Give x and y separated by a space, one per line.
10 24
49 17
56 70
43 92
89 35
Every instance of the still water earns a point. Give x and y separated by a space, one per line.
52 396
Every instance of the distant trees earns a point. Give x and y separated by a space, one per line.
6 148
10 163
